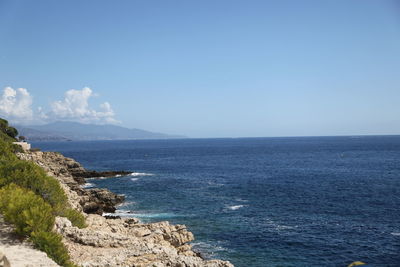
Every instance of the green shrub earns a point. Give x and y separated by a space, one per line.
11 132
17 148
3 121
76 218
50 243
5 137
6 151
28 175
8 133
27 211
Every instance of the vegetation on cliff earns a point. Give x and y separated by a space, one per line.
8 133
30 199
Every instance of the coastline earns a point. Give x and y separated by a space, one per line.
110 240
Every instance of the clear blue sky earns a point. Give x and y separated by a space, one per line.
213 68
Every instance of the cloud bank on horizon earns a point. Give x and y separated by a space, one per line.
16 106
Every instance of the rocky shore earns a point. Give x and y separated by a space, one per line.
114 241
71 176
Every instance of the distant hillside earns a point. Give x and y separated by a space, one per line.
59 131
36 135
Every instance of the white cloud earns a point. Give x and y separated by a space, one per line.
75 107
16 105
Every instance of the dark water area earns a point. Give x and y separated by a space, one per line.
307 201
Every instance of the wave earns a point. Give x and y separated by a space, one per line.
134 179
235 207
155 215
134 174
120 213
208 250
395 234
140 174
96 178
129 213
87 185
214 184
126 203
278 227
241 200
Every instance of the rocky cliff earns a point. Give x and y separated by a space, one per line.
114 242
71 176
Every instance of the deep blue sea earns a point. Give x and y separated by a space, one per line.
309 201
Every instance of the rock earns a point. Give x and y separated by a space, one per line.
98 200
3 260
95 174
126 242
107 198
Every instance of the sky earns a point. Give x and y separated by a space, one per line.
226 68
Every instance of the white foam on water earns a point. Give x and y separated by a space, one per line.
235 207
155 215
278 227
395 234
140 174
209 249
209 246
87 185
121 213
124 211
241 200
215 184
127 203
134 179
118 175
129 213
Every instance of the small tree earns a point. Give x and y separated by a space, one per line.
11 131
22 138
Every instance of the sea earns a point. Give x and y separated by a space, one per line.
296 201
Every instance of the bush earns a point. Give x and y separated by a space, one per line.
28 175
75 217
11 132
6 153
8 132
50 243
27 211
3 122
5 137
17 148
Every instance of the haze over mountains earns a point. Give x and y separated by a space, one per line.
64 130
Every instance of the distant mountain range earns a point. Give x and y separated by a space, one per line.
65 131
